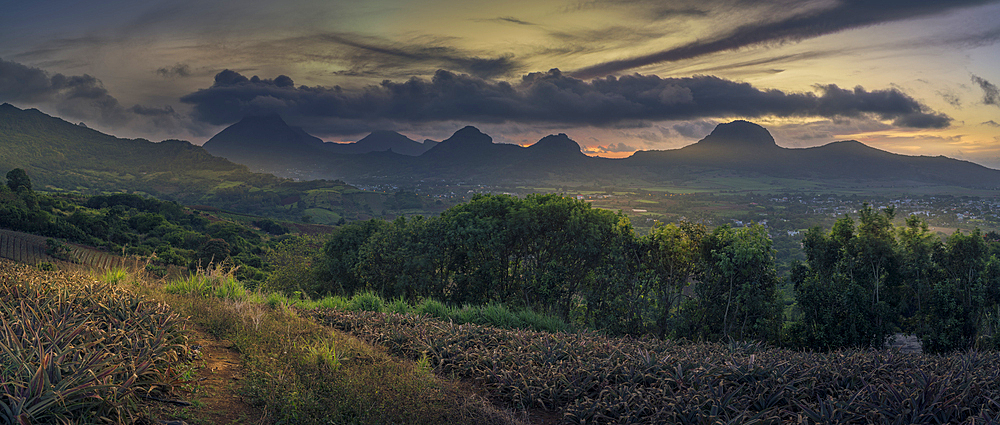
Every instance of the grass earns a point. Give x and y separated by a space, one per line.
304 373
297 370
493 314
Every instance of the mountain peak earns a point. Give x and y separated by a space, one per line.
266 134
470 134
266 120
739 134
556 143
385 140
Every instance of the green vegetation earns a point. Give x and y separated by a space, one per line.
862 283
561 257
588 378
76 350
304 373
586 267
165 232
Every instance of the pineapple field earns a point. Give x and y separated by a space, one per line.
80 350
589 378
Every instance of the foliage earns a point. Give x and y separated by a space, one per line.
78 350
736 296
304 373
586 378
166 232
863 283
559 256
17 180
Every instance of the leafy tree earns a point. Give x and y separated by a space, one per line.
292 262
673 253
214 251
17 180
335 273
736 288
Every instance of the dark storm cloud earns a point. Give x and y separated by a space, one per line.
178 70
74 96
551 97
846 14
991 94
991 123
151 111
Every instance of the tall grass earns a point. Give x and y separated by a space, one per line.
209 282
304 373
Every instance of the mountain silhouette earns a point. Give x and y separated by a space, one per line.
380 141
739 147
57 154
264 141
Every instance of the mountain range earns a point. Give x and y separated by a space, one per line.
62 155
740 148
58 156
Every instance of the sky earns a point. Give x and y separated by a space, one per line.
916 77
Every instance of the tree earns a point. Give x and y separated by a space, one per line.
17 180
214 251
672 255
336 273
736 288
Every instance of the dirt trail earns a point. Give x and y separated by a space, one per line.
212 390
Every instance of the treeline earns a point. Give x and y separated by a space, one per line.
862 282
865 280
560 256
137 225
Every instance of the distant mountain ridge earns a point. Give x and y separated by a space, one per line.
739 147
242 141
69 156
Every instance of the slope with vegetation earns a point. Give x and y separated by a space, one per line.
166 232
62 156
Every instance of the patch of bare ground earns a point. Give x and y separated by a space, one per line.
209 387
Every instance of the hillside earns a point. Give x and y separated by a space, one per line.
60 156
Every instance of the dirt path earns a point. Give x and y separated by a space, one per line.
211 389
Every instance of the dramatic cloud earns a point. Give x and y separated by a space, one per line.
843 15
991 94
77 97
551 97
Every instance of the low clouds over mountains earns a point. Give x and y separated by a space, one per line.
550 97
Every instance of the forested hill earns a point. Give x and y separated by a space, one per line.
59 155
